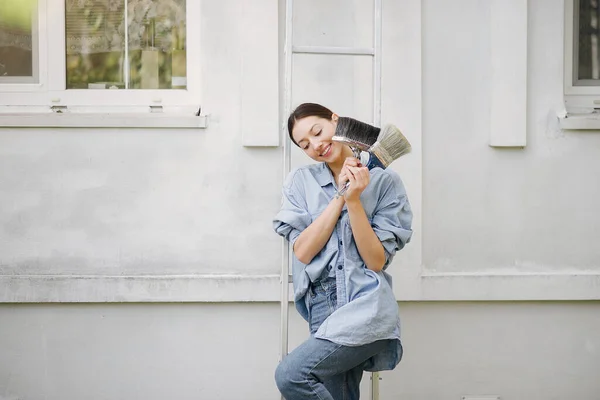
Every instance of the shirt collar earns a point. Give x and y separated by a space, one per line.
324 176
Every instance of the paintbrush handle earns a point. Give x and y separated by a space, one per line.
343 190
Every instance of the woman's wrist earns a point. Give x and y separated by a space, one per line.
353 203
339 200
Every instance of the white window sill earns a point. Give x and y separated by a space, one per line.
589 121
102 120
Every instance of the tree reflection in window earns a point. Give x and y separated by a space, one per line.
147 52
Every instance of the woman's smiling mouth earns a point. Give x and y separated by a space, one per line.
326 152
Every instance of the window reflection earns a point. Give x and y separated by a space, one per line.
588 66
18 41
147 52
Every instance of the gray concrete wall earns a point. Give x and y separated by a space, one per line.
519 351
532 209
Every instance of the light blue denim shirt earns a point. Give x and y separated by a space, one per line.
367 309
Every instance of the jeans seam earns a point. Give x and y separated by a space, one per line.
313 390
339 346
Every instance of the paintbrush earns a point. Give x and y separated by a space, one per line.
359 136
390 145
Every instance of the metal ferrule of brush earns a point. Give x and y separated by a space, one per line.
355 145
383 157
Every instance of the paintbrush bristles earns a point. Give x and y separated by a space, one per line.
352 131
390 145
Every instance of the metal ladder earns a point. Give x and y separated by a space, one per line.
289 51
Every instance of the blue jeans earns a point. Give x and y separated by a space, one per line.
319 369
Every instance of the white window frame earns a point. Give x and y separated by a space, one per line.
578 99
51 90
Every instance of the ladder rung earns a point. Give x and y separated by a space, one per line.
350 51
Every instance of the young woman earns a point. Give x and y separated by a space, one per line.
341 247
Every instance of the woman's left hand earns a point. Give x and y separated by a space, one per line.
359 178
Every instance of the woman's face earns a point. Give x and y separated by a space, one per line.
313 135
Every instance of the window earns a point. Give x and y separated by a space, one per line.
582 55
104 52
18 43
94 53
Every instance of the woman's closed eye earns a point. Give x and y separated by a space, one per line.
305 147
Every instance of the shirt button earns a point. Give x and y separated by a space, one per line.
340 267
340 242
329 268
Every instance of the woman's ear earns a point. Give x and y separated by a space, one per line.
334 118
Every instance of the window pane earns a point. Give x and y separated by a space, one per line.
353 26
588 66
104 53
18 41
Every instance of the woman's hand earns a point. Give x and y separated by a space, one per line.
343 177
357 175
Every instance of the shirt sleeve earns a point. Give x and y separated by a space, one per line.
392 218
293 217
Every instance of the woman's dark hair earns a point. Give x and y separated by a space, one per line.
307 110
